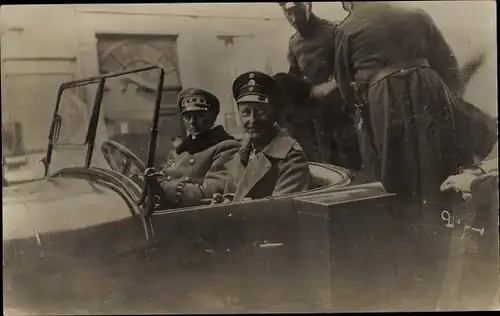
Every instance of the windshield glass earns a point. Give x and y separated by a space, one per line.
125 118
74 112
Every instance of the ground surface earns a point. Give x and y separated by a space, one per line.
202 283
105 271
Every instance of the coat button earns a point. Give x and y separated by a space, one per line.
169 178
191 161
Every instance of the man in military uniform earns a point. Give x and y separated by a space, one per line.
311 55
393 62
269 162
188 178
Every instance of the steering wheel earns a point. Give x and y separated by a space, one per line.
129 165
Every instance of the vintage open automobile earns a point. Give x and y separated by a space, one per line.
89 239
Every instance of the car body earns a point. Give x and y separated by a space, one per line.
85 240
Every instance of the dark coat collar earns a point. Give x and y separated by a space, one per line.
204 141
280 146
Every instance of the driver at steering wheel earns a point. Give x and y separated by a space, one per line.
188 179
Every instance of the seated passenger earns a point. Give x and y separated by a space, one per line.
270 162
187 179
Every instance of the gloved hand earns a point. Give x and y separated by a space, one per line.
151 173
460 182
322 90
153 180
218 198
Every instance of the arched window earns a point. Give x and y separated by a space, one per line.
128 101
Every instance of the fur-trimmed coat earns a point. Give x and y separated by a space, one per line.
194 167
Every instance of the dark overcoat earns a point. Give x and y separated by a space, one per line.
311 56
408 137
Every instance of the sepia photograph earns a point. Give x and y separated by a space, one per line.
253 157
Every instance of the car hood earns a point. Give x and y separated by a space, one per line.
56 205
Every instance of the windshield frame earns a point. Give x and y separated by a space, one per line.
96 110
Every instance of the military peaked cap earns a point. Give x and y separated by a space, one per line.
194 99
254 86
287 5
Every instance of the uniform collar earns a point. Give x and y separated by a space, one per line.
249 172
203 141
280 145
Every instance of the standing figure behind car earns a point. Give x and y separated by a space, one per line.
188 178
395 64
269 162
311 56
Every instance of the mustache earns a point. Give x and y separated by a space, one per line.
256 126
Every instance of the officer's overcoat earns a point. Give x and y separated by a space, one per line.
409 138
280 168
193 166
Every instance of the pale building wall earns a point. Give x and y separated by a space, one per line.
59 41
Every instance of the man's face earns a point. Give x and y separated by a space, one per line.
257 119
198 122
297 14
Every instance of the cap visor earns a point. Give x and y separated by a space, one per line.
254 98
193 108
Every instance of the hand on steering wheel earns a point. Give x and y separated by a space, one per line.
152 173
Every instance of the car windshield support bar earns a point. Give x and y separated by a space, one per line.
94 120
52 139
155 118
147 200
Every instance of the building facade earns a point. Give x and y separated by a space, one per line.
202 45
